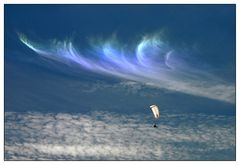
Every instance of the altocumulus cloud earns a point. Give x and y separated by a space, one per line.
110 136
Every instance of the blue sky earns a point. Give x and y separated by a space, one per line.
99 63
182 48
210 26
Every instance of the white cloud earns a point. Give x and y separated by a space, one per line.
154 62
110 136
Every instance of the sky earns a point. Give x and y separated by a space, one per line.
91 65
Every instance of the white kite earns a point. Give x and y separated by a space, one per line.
156 113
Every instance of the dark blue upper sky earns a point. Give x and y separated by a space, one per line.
212 27
209 30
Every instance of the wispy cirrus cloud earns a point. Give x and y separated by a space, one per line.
152 61
111 136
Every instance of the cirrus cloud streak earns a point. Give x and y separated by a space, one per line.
151 61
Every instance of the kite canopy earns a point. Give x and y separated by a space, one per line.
155 111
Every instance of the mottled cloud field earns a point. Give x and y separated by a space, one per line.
109 136
151 60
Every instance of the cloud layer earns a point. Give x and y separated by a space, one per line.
109 136
151 61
